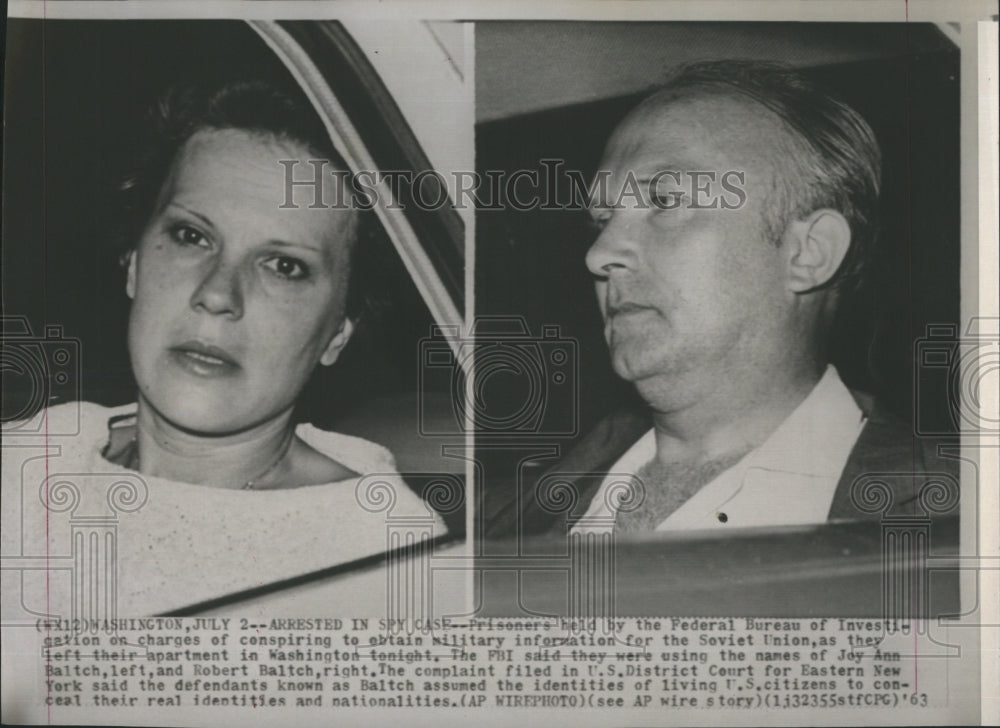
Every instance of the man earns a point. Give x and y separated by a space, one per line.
735 206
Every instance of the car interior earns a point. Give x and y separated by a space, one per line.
555 91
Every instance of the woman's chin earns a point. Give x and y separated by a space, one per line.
211 406
204 415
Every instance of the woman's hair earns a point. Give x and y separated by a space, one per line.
265 107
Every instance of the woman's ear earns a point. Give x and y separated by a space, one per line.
130 276
818 244
337 343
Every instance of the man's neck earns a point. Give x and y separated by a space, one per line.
737 415
226 461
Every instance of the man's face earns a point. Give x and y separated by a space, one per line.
689 294
235 300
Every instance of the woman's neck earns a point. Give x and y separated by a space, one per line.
251 458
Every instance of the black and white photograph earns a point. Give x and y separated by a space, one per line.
745 237
446 362
211 333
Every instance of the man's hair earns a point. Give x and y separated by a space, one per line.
839 166
265 107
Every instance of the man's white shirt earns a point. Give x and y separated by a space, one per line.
788 480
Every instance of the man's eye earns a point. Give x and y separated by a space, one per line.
187 235
286 267
666 199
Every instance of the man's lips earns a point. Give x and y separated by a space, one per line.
626 307
204 359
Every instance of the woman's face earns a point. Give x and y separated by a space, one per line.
235 299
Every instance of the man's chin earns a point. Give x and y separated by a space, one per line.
636 364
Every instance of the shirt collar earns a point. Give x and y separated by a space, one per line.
817 437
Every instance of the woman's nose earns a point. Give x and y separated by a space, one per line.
220 291
614 248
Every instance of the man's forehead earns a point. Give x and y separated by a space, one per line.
694 128
698 131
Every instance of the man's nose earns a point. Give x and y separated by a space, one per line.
220 291
614 250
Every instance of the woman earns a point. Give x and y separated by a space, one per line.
240 289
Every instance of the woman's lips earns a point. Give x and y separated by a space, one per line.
204 360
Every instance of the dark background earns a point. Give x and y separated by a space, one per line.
531 264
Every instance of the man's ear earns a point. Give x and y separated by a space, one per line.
817 244
130 277
337 343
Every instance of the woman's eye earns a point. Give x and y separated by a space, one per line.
286 267
187 235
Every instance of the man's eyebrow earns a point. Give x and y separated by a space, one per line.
641 174
679 165
661 174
